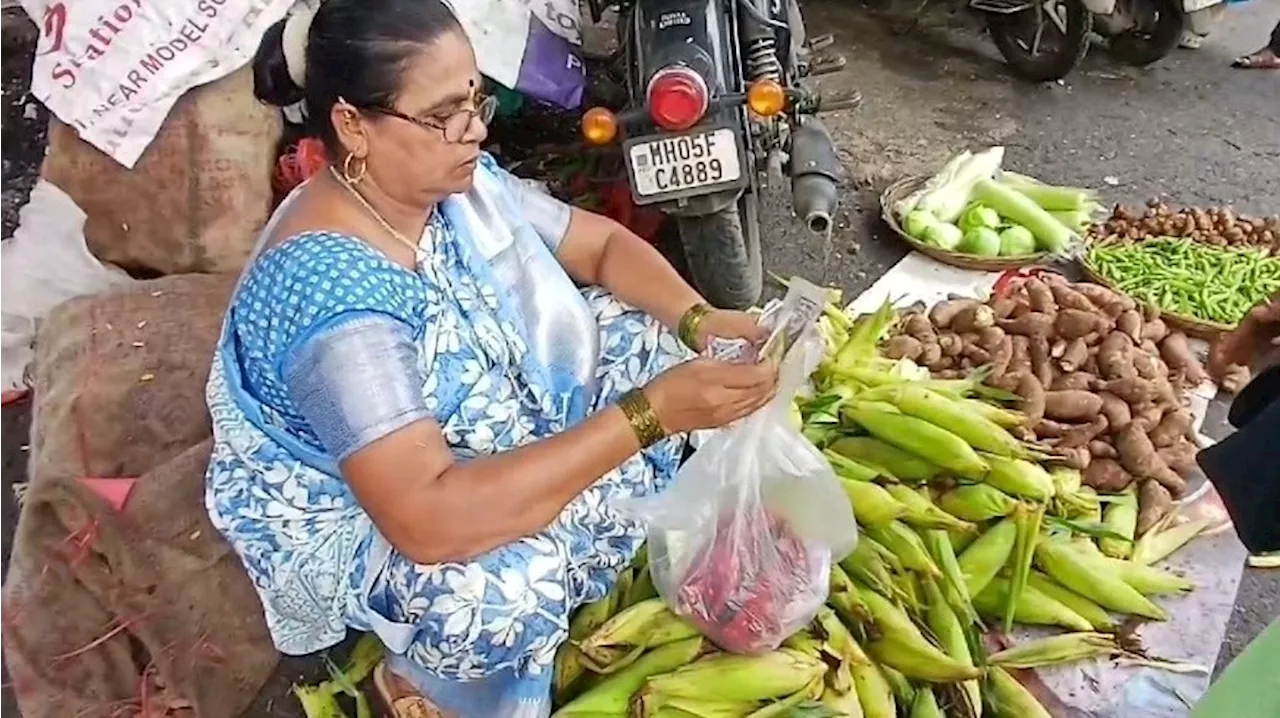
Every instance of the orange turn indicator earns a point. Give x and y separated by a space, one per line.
599 126
766 98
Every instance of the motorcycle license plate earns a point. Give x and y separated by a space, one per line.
670 165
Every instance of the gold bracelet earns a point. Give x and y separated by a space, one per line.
635 406
687 330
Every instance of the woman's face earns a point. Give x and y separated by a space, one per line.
418 162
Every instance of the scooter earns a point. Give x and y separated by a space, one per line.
1044 40
715 89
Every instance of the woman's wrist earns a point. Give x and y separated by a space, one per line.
691 322
643 419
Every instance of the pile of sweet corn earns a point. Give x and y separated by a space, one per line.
964 529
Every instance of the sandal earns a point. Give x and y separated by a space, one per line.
400 700
1260 60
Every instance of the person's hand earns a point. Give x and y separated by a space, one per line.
730 324
705 393
1257 332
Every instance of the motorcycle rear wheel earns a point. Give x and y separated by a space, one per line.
722 253
1159 32
1014 36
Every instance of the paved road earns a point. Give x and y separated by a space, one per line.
1190 129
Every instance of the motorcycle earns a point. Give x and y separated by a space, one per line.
715 90
1044 40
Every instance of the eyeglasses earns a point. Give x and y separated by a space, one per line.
453 125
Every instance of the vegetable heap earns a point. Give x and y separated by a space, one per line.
1219 226
961 522
1185 277
966 209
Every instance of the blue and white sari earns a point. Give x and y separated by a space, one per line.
507 351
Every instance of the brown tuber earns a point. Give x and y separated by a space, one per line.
1180 359
1154 503
1115 409
1074 323
1082 434
903 347
1076 380
973 318
1102 450
943 313
1139 458
1072 405
1033 398
1106 475
1029 324
1181 457
1074 355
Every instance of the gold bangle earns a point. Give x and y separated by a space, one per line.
635 406
687 330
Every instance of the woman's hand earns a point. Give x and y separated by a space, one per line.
1257 332
730 324
705 393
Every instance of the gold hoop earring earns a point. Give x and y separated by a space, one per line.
347 173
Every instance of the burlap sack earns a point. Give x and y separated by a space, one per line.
197 197
106 611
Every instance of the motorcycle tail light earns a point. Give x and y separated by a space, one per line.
678 98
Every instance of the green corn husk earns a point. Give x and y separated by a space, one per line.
1028 519
318 702
922 513
1033 607
977 502
952 585
612 694
1006 418
569 665
867 567
973 427
1120 516
625 636
879 455
874 695
734 678
847 468
1095 615
905 544
1010 699
984 558
1089 578
903 692
872 504
1063 648
1148 580
1157 545
901 646
843 596
951 635
1019 478
919 437
864 335
961 541
925 705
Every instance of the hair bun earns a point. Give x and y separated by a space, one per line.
271 81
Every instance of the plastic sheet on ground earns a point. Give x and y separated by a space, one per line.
1198 623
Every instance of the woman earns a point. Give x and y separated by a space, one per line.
422 426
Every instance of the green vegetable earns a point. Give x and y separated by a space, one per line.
978 216
1189 278
917 222
947 193
1077 219
1048 196
1050 234
1017 240
980 241
943 235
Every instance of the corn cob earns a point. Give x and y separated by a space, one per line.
1006 418
974 428
872 505
983 559
1010 699
1120 516
905 544
1156 545
707 707
624 637
890 558
1148 580
642 589
977 502
863 336
1066 480
1095 615
1033 606
844 598
901 646
952 582
1027 518
919 437
1018 477
734 678
925 705
842 704
569 667
866 565
960 541
847 468
881 456
611 695
1063 648
921 513
951 636
1090 579
874 694
318 702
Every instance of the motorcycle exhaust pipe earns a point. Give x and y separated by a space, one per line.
816 173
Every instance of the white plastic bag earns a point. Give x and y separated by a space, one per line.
44 264
742 544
